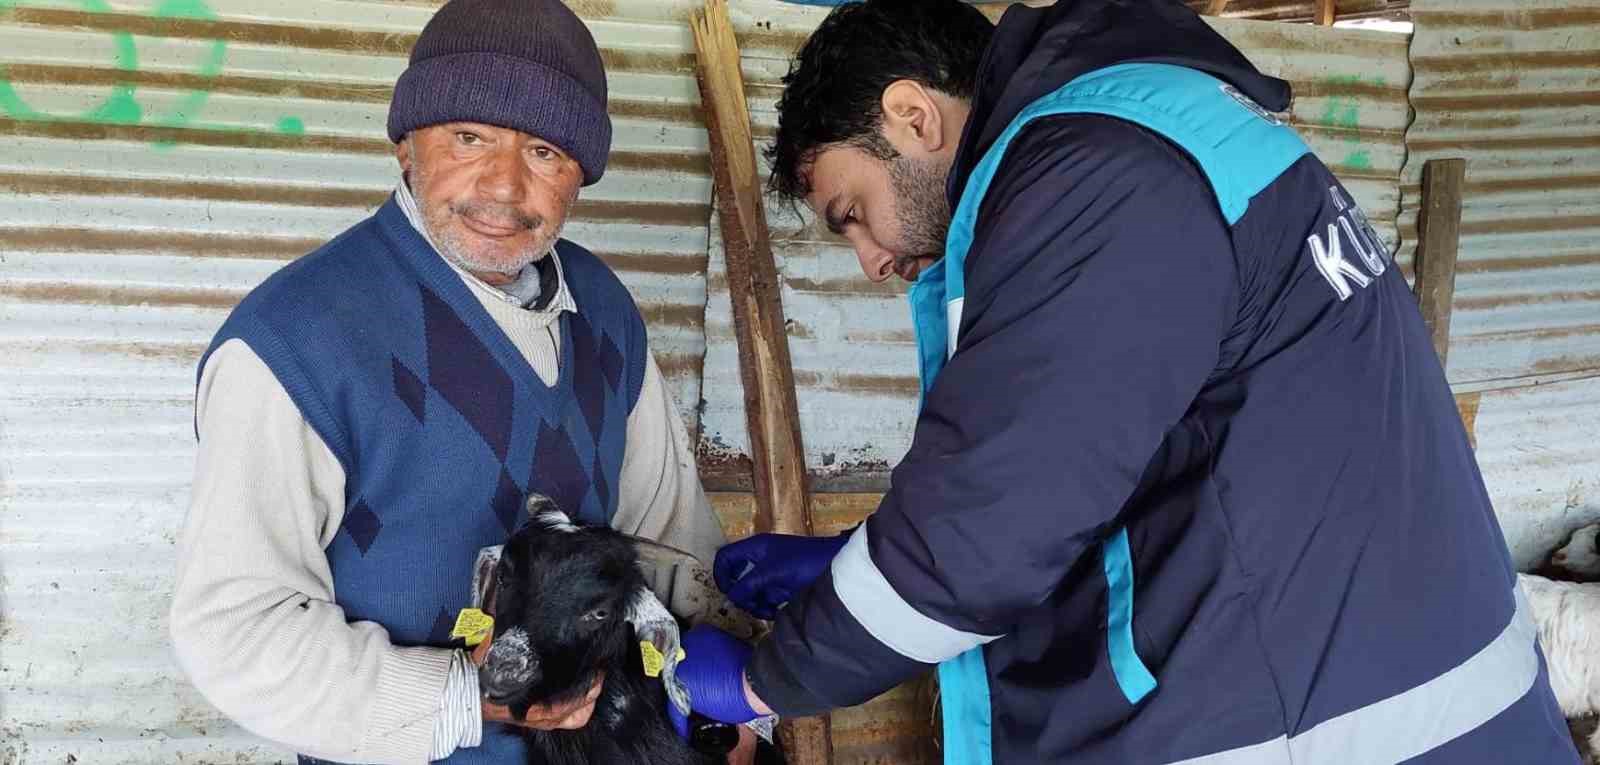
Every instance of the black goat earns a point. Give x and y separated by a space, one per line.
562 603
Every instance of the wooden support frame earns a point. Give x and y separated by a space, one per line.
771 413
1438 244
1216 7
1327 11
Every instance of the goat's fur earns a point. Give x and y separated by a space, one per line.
1564 595
1568 617
563 595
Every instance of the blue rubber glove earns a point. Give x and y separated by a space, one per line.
762 573
713 671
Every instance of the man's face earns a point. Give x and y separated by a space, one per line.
492 199
892 211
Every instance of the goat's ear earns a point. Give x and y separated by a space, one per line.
483 576
644 608
544 512
653 624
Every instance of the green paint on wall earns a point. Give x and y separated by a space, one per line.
121 105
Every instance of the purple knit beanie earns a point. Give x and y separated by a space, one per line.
528 65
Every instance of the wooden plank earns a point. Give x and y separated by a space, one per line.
1467 404
768 377
1438 242
1326 12
771 413
1216 7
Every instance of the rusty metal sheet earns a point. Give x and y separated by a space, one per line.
1303 10
851 341
1536 447
158 158
1514 88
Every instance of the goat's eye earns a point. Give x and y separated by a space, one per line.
597 615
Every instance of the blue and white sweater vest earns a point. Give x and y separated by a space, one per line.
440 424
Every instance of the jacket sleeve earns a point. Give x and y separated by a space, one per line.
254 623
1100 284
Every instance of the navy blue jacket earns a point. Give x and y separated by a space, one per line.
1188 483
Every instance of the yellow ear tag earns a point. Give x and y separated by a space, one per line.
654 662
473 625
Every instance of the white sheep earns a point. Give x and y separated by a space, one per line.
1568 616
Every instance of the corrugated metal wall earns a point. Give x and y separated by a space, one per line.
1514 87
160 157
1302 10
851 341
157 159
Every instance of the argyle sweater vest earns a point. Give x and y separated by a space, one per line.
440 424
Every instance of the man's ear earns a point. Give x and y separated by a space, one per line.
402 153
912 121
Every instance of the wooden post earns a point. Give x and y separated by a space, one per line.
1216 7
1326 11
1438 242
771 414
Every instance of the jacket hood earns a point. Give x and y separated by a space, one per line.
1037 50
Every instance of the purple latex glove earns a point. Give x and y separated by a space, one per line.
713 671
762 573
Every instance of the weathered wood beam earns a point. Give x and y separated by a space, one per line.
1216 7
771 414
1326 12
1438 243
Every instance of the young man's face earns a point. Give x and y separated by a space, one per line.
892 211
492 199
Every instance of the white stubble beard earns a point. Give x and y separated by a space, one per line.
448 241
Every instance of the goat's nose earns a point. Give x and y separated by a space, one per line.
501 689
509 669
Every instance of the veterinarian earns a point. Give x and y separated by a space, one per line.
1188 484
377 411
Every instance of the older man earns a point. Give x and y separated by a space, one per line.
376 412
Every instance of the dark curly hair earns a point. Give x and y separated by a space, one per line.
834 89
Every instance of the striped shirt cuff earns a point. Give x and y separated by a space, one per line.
460 720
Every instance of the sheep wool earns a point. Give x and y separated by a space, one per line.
1566 614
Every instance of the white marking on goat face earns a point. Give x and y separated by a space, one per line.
555 520
615 710
511 661
547 514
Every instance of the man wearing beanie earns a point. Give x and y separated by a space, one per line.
376 412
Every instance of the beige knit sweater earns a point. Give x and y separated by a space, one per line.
255 620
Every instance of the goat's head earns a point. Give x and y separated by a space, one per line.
1579 559
562 602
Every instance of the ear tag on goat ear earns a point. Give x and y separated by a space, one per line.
654 662
473 626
